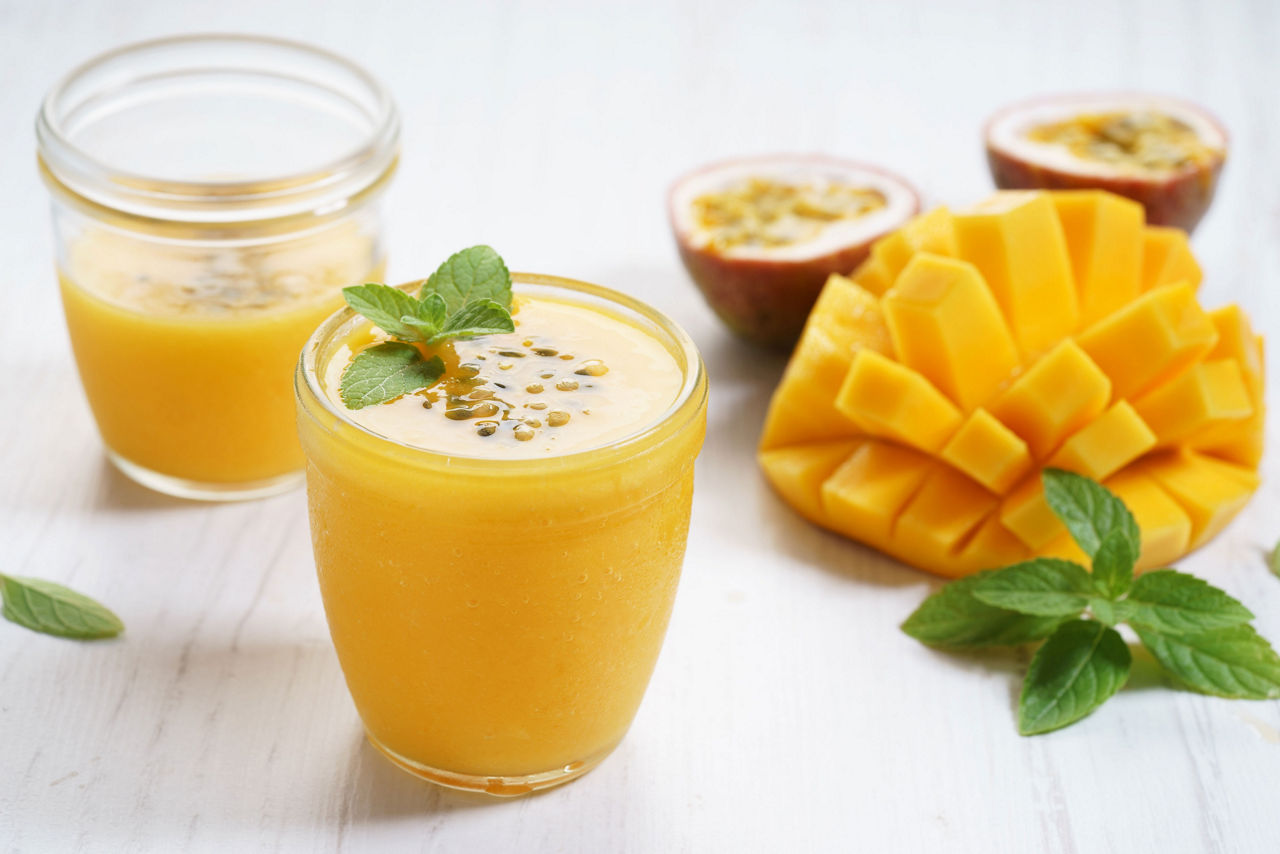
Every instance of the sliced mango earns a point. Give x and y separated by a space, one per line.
1104 235
1167 258
1055 397
1150 340
928 412
988 452
945 324
864 496
798 472
1211 491
873 276
1104 446
888 399
1016 241
844 319
1201 397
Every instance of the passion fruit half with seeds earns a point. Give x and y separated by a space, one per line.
1162 152
760 236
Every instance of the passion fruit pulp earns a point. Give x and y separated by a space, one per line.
759 236
1162 152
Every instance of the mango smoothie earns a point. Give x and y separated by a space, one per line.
498 553
185 351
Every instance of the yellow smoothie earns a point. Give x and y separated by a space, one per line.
185 352
498 554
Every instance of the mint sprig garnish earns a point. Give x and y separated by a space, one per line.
52 609
469 295
1199 634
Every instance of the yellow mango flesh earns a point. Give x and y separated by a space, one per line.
1016 241
917 419
1167 258
1104 235
946 325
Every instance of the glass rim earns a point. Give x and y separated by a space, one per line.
690 399
74 169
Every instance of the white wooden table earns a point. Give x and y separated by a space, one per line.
787 712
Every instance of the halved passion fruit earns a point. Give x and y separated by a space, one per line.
761 235
1159 151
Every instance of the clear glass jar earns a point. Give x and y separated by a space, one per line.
211 196
497 620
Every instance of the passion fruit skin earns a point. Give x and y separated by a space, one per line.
766 302
763 302
1179 199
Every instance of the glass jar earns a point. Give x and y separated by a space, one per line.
211 196
497 620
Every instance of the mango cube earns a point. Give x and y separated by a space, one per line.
1202 396
1167 258
798 472
990 547
946 325
1053 398
844 319
1238 441
1016 241
864 496
1107 444
1027 514
1104 233
937 519
888 399
872 276
988 452
1210 491
1150 340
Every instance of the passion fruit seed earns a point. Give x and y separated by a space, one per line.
765 212
1149 139
545 351
505 366
546 375
534 388
487 428
567 385
593 368
523 432
557 418
568 357
511 354
537 404
533 422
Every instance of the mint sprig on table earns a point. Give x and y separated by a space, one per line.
469 295
1199 634
52 609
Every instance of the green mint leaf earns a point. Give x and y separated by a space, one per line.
472 274
1110 612
428 317
386 307
482 317
1089 510
1273 560
44 606
1074 672
1234 662
1044 587
384 372
1170 601
1113 563
954 618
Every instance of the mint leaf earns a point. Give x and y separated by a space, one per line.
472 274
954 618
384 372
1113 564
1273 560
1110 612
428 317
1170 601
44 606
481 317
385 306
1234 662
1074 672
1089 510
1044 587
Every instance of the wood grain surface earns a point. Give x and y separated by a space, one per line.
787 713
